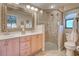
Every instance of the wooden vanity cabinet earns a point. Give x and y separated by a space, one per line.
25 45
2 48
13 47
29 45
40 41
36 43
9 47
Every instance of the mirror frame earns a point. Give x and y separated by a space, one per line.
22 11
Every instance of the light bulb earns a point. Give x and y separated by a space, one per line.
32 8
41 11
36 9
28 6
52 6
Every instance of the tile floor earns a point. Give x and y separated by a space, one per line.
51 53
51 50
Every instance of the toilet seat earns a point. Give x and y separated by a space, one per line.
70 45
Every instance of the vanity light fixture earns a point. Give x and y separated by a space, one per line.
41 11
28 6
36 9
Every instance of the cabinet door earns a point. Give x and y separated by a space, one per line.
25 48
3 48
15 44
39 40
13 47
34 43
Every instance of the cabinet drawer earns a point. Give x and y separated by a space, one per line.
40 36
33 37
25 47
25 44
24 39
25 52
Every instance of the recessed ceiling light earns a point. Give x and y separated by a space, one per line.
36 9
32 8
52 6
28 6
41 11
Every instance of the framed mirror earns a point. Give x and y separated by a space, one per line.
13 17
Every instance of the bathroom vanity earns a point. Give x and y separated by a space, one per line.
19 35
22 44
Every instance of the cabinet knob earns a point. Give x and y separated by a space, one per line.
38 36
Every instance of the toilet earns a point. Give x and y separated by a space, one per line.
70 48
77 51
70 44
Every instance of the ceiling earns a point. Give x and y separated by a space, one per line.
60 6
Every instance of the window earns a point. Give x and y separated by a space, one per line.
69 23
11 22
69 20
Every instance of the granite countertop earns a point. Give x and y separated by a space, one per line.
9 35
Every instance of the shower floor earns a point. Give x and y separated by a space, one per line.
50 46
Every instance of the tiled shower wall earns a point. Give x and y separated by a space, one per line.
52 22
53 25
